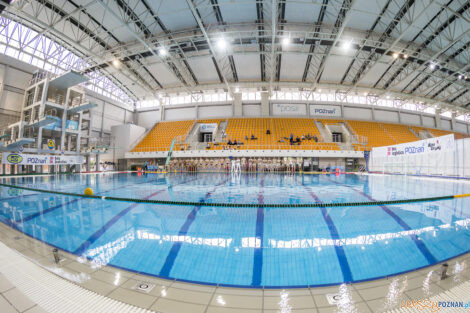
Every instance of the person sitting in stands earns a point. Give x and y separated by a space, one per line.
315 138
291 137
303 137
253 137
297 139
268 132
235 142
229 142
246 138
281 140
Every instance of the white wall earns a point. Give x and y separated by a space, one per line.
461 127
214 111
446 124
123 138
148 118
251 109
410 119
429 121
357 113
386 116
184 113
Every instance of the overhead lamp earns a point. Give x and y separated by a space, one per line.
460 76
405 56
237 89
388 97
319 90
162 52
347 44
365 93
116 63
432 66
395 55
222 44
285 41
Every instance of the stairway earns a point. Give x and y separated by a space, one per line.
220 130
325 133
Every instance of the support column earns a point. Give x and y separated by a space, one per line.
97 162
437 118
453 123
237 104
264 103
88 165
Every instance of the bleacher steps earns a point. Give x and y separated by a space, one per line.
325 133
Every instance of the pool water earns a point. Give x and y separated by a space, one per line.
246 246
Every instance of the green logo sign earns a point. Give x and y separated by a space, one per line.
14 158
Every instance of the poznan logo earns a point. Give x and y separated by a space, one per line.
14 158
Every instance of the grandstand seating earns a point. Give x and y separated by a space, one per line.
162 134
377 134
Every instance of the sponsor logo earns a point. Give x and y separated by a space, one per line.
36 160
14 158
51 144
288 108
325 111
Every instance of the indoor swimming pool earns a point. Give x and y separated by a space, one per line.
257 246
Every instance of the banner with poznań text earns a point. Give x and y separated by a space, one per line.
443 143
325 110
38 159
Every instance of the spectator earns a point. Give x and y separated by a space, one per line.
229 142
268 132
315 138
253 137
246 137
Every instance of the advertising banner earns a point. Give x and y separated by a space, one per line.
208 128
289 109
325 110
38 159
437 144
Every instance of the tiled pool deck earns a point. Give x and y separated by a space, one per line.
176 297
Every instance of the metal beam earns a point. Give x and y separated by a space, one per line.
192 7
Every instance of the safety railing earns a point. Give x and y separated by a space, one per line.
251 146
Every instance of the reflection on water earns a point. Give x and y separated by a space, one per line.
243 188
226 245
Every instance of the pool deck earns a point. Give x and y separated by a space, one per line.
168 296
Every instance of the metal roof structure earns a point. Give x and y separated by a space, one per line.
400 48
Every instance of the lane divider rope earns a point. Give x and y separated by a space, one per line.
242 205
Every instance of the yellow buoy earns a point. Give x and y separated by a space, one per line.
88 191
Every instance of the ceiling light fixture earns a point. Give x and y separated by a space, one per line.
162 52
222 44
285 41
116 63
347 44
405 56
395 55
